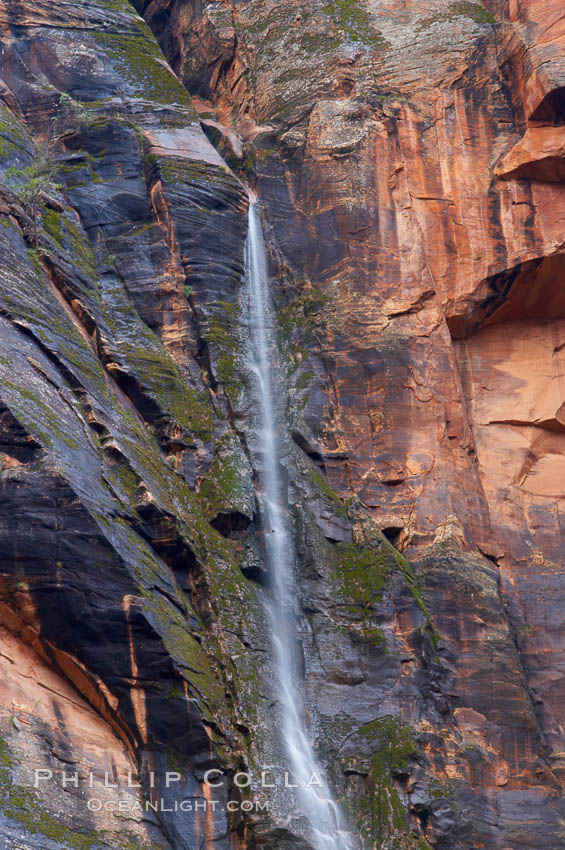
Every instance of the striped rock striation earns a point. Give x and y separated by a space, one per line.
410 162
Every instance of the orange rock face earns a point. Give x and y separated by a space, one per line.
428 209
59 735
411 160
532 55
427 188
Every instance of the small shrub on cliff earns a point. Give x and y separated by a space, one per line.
38 182
71 115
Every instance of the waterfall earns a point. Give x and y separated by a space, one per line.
321 811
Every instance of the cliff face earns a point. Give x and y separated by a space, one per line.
410 163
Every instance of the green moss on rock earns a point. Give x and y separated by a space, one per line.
330 496
34 259
355 22
23 806
139 62
466 9
52 225
363 572
475 11
384 817
69 238
227 485
11 135
362 575
311 310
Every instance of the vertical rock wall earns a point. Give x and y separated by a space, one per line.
409 158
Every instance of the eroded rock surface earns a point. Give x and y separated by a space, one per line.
409 158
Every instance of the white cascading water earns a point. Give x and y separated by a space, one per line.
321 811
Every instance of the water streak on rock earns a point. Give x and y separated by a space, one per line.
322 813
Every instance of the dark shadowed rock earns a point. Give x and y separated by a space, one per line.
409 160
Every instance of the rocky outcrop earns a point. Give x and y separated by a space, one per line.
112 201
409 160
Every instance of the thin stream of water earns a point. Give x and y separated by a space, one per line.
321 811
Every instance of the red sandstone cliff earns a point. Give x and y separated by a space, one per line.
410 161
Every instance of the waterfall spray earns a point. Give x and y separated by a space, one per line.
321 811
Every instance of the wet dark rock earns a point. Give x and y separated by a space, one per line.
409 163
